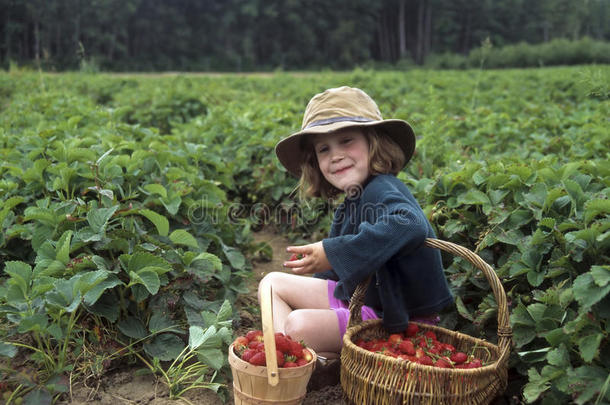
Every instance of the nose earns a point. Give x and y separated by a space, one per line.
336 155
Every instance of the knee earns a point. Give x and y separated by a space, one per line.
296 325
274 279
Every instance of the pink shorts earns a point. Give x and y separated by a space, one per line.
341 308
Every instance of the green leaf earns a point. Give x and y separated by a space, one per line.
595 207
98 218
225 313
94 293
172 205
237 260
587 382
158 220
160 321
462 310
87 234
212 357
196 337
7 350
141 260
211 258
182 237
148 279
587 292
106 306
165 347
21 275
589 346
535 278
559 357
536 311
536 385
523 335
63 247
156 189
65 295
36 323
132 327
601 275
475 197
39 396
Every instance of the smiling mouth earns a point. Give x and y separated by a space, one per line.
342 170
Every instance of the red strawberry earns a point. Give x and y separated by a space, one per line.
240 343
407 347
442 363
290 364
458 357
295 256
254 335
296 349
256 345
431 335
412 330
449 347
301 362
475 363
425 360
280 358
395 339
248 354
282 344
259 359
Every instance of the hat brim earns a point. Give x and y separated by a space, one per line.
290 154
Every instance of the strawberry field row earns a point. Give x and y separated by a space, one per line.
128 205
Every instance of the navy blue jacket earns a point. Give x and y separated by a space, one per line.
381 232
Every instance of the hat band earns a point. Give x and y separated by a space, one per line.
337 119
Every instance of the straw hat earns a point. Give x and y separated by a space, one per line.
339 108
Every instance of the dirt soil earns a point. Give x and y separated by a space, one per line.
124 387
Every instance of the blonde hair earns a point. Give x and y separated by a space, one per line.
385 156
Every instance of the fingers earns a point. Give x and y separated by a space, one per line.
303 249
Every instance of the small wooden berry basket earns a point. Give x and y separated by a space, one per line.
372 378
269 385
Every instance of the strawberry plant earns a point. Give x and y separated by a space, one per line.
127 205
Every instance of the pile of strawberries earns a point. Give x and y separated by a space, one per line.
421 347
290 353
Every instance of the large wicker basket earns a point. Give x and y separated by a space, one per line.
256 385
372 378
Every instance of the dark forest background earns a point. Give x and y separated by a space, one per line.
249 35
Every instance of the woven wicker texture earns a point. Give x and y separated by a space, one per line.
371 378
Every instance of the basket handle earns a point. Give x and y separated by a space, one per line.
504 330
273 377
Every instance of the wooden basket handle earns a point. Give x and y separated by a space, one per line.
273 377
504 330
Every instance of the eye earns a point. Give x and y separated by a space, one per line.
322 149
346 140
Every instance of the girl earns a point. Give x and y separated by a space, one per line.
346 147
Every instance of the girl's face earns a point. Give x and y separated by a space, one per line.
343 157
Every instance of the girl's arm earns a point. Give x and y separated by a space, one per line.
394 224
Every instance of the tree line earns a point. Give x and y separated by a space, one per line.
242 35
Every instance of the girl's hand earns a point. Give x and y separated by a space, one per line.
314 259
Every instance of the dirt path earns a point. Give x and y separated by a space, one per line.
124 387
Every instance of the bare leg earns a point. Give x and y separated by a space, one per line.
301 310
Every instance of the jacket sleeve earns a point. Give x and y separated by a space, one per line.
389 224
